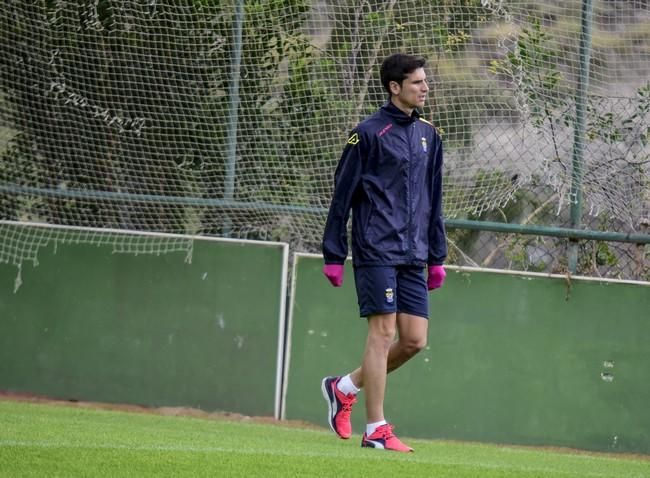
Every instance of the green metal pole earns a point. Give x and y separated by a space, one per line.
577 172
548 231
502 227
233 117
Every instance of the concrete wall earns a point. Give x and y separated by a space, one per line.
148 329
512 358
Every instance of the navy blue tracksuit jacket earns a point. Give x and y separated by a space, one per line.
390 176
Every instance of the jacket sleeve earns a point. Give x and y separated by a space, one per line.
346 180
437 234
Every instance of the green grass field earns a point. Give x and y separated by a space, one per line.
44 440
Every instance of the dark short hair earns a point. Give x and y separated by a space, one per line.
397 67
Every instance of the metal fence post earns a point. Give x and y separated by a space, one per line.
233 115
577 173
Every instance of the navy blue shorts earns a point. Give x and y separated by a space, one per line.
388 289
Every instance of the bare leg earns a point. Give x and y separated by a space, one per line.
381 333
412 338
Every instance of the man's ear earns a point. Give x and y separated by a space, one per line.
394 87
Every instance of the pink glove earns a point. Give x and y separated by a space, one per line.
436 277
334 273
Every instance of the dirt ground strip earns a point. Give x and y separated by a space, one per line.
163 411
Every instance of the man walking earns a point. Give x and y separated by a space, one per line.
390 176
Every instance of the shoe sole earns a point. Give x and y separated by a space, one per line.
370 444
365 444
328 399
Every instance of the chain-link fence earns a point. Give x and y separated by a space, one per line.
228 118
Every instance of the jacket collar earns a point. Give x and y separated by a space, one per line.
398 115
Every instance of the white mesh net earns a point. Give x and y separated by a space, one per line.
154 116
21 242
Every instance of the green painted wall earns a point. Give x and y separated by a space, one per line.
510 359
88 324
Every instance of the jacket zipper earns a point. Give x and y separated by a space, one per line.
409 136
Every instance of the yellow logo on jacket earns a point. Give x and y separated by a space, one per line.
354 139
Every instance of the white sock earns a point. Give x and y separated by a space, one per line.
346 386
371 427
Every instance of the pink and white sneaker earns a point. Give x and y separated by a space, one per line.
383 438
340 406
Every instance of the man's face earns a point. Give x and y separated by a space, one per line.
413 91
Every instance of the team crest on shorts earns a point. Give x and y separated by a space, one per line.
389 296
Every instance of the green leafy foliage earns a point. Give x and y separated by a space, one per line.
532 68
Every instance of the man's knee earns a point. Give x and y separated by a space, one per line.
382 330
412 345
